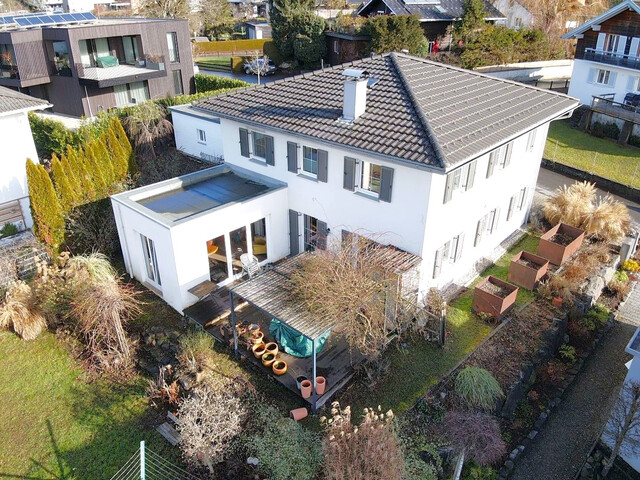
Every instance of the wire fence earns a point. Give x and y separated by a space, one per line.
145 464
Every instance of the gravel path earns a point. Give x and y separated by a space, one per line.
562 446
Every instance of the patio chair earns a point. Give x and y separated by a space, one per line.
250 264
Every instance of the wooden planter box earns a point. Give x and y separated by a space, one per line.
493 302
529 274
558 251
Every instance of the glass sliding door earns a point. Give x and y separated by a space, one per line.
151 261
238 240
259 239
217 253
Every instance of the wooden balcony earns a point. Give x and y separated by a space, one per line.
608 106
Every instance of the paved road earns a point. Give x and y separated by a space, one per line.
548 181
562 446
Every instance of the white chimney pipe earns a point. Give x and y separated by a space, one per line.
354 101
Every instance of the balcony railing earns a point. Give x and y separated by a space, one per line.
150 67
615 109
612 58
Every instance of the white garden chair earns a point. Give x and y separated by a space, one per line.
250 264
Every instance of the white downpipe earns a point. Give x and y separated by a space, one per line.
459 465
86 94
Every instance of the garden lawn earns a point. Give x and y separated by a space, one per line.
214 63
421 364
53 424
577 149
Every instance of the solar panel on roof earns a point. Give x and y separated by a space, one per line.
42 19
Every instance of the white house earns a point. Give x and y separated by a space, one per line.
517 15
437 161
17 146
607 59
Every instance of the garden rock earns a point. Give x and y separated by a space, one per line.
253 461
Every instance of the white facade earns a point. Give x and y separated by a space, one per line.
416 219
18 146
196 134
591 79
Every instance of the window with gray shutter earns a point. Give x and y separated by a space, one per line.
437 264
471 175
448 189
507 155
512 206
292 157
492 163
386 184
294 233
459 245
323 166
480 230
349 182
495 216
244 142
323 231
270 157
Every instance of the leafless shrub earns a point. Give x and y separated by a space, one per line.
622 431
21 312
146 125
371 450
477 435
619 288
209 421
435 301
164 390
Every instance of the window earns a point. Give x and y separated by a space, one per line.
131 93
61 58
603 77
130 46
531 140
336 48
150 260
450 252
177 82
487 225
310 160
172 43
516 202
611 43
202 136
500 157
522 195
314 234
259 145
370 178
460 179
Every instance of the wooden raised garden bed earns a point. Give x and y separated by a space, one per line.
526 269
560 243
494 296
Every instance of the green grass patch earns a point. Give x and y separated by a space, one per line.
578 149
54 424
214 63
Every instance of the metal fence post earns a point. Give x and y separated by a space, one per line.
142 467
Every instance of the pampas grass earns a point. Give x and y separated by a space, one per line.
20 312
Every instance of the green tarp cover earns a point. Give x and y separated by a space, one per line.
107 61
292 342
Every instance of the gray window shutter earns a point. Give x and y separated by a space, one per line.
386 184
600 42
323 166
270 153
437 264
244 142
622 44
479 231
448 189
292 157
592 75
323 231
507 158
496 219
512 205
612 79
472 175
349 173
294 233
459 246
492 163
632 82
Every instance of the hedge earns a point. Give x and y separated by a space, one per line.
229 46
209 83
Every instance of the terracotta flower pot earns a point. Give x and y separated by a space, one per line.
279 367
258 350
257 337
268 359
299 413
306 387
272 347
321 384
299 380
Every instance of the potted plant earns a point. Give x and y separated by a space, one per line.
560 242
493 296
527 269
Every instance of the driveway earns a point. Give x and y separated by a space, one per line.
562 446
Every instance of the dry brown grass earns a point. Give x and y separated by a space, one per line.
619 288
20 312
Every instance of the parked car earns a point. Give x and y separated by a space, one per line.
268 68
632 99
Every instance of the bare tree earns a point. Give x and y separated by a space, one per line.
623 428
166 8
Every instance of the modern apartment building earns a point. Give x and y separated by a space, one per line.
83 65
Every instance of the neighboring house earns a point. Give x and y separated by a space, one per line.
345 47
435 15
258 30
86 66
517 16
17 146
607 59
435 160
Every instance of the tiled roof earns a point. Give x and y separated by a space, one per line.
420 111
10 101
445 10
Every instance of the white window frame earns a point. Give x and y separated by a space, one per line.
172 46
309 150
611 43
335 47
531 140
152 271
254 148
460 179
202 136
361 167
604 75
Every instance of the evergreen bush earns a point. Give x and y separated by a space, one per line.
209 83
478 388
48 216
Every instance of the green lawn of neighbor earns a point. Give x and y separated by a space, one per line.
214 63
56 425
421 364
577 149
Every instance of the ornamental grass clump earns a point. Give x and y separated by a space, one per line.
20 312
196 351
478 388
370 450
